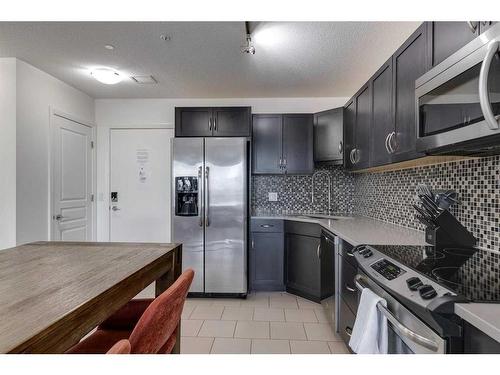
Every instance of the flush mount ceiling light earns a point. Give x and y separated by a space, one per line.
106 76
248 46
109 47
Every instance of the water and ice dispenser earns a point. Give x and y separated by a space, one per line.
186 196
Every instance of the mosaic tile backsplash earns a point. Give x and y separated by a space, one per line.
388 196
294 192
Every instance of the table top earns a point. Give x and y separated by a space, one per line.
44 283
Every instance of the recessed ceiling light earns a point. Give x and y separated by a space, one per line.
109 46
106 76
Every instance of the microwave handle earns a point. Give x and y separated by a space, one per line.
484 99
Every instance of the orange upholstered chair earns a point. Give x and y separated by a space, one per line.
121 347
149 324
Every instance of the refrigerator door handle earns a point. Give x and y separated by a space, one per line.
200 192
207 204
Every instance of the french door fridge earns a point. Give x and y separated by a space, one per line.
209 208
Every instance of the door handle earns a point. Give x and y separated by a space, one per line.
200 199
207 204
58 217
115 208
484 99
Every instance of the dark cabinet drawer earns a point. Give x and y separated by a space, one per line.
267 225
346 322
347 288
302 228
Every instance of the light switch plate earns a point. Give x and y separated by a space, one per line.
273 197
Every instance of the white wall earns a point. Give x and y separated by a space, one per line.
7 152
160 113
37 93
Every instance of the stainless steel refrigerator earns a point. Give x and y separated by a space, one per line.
209 208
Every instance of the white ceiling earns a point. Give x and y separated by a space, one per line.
203 59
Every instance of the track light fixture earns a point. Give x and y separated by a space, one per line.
248 47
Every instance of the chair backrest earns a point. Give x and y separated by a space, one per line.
162 317
121 347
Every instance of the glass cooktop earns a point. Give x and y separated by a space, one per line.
470 272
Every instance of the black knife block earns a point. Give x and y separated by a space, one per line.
449 232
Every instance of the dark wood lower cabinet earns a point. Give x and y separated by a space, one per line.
309 261
478 342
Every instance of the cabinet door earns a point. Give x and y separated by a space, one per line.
449 37
409 62
266 144
303 265
193 122
298 144
267 261
346 321
363 127
485 25
347 289
328 134
382 115
231 122
349 133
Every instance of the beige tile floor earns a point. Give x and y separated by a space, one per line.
264 323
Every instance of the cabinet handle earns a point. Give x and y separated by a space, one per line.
215 123
341 147
357 156
472 26
253 245
387 143
267 225
318 250
281 163
348 330
350 289
284 163
210 124
349 253
351 156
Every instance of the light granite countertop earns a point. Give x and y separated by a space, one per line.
358 230
483 316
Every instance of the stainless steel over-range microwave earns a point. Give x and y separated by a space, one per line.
458 101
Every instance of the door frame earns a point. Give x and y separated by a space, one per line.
53 113
106 188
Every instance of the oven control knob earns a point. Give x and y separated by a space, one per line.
427 292
414 283
367 254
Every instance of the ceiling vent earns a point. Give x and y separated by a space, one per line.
145 80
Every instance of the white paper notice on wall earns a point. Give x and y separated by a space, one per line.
142 155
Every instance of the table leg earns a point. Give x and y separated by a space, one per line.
164 282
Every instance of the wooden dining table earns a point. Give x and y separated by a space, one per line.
53 293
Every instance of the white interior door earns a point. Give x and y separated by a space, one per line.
71 180
140 185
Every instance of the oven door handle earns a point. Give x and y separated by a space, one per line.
484 99
397 325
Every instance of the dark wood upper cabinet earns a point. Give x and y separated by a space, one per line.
382 115
231 122
193 122
448 37
328 134
208 121
298 143
361 154
349 133
267 152
410 61
282 144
